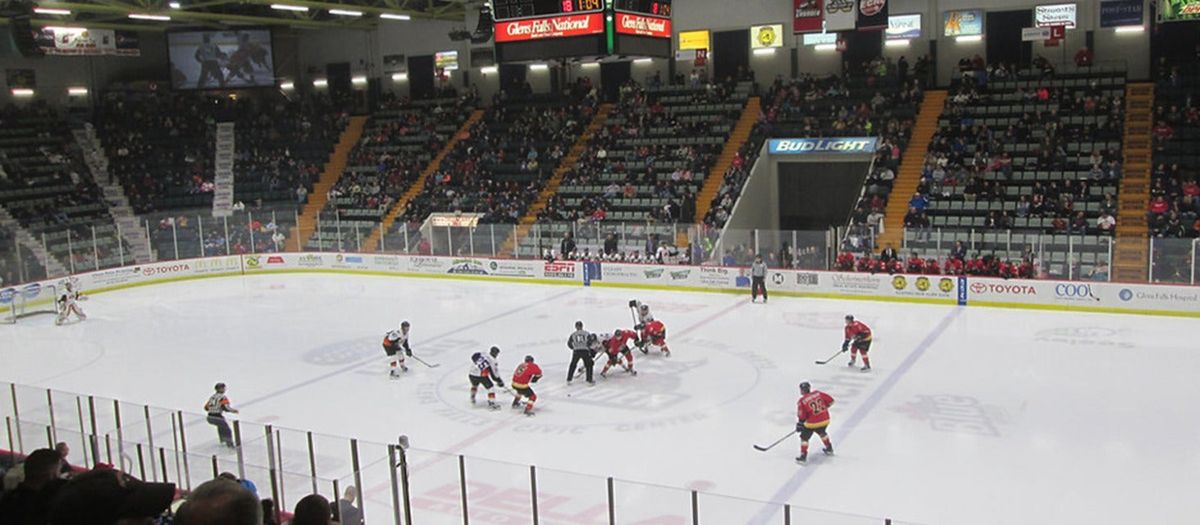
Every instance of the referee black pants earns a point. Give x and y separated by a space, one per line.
586 357
758 284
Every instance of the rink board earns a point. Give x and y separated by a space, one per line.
1167 300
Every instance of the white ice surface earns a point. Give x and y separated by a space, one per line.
972 415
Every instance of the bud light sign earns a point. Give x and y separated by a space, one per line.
849 145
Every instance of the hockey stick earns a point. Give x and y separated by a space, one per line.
831 358
422 361
761 448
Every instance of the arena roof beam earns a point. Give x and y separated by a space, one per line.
184 15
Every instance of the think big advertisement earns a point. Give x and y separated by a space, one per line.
808 16
553 27
631 24
872 15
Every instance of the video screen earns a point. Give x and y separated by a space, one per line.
221 59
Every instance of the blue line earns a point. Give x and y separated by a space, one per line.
791 486
359 363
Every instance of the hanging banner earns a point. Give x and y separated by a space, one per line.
1054 15
78 41
872 15
808 16
1035 34
840 15
1118 13
903 27
693 39
968 22
1178 10
766 36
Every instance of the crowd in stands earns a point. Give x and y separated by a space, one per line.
957 262
161 145
44 488
185 236
502 162
972 162
1174 207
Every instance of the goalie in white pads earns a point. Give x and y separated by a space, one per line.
484 372
68 302
395 345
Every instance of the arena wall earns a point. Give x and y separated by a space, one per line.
1101 297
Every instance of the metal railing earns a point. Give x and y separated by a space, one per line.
399 482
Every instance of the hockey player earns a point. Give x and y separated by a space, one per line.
643 316
68 303
395 345
654 333
812 415
523 378
858 340
483 373
617 346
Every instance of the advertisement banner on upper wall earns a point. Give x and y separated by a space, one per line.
967 22
872 15
766 36
78 41
1056 15
903 27
840 15
697 39
808 16
848 145
651 26
1118 13
553 27
1178 10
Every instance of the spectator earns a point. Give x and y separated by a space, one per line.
610 245
566 248
1084 57
109 497
220 502
888 254
958 252
918 202
348 514
312 509
30 502
64 469
1106 223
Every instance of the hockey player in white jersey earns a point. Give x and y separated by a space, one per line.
68 302
395 345
485 372
642 317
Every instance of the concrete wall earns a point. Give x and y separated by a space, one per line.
54 74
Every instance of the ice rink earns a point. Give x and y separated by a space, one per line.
971 415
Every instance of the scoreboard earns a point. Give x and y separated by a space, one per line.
531 30
512 9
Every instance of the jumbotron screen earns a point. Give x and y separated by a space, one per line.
221 59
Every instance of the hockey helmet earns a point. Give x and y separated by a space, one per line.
805 387
495 351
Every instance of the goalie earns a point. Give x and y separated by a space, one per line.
68 302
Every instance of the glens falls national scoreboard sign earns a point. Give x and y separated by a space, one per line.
552 27
653 26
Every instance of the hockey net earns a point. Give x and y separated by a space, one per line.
27 301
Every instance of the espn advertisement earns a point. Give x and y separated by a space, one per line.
221 59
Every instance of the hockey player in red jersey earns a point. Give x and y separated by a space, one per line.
617 346
654 333
524 377
858 340
812 415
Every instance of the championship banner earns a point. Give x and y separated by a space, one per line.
78 41
808 16
1119 13
872 15
1178 10
840 15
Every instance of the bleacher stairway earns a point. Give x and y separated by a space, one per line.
306 226
564 167
909 177
372 241
132 229
1132 257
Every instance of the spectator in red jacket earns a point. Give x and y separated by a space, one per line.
1084 57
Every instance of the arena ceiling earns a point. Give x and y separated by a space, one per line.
163 15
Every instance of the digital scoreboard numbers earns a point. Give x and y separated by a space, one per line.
646 7
512 9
